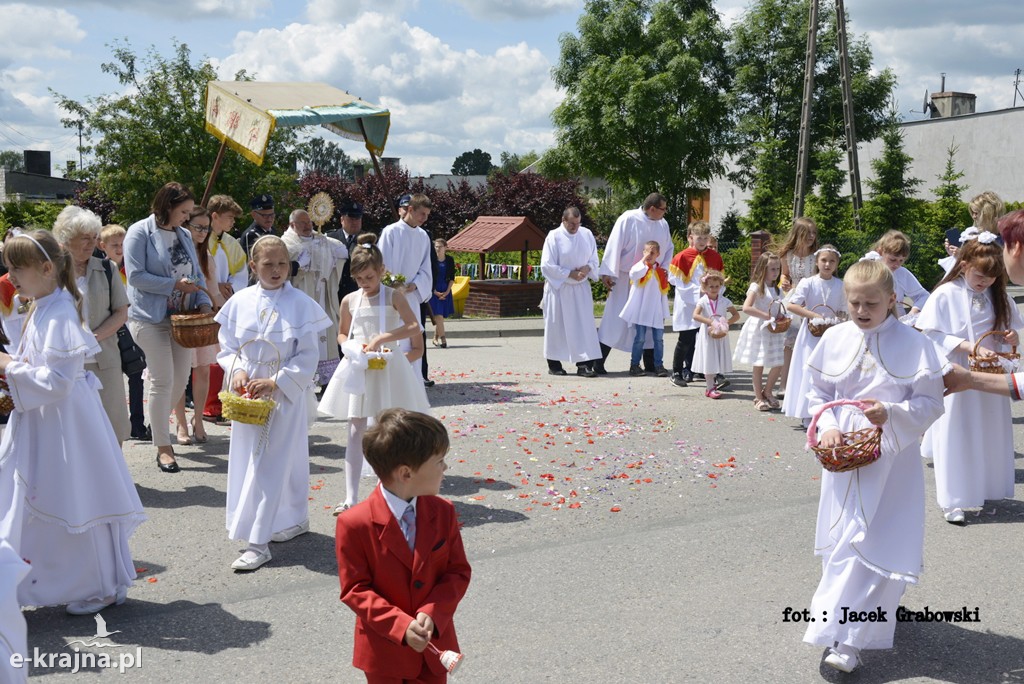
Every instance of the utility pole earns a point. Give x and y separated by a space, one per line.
80 144
804 151
1016 87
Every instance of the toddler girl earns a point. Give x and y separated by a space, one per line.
712 356
758 346
370 318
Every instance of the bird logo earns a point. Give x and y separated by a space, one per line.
101 633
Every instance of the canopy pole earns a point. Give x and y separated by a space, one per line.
215 171
376 166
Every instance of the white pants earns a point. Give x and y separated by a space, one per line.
169 366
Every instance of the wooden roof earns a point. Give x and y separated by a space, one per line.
498 234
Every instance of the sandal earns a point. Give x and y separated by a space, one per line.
184 440
199 435
436 342
762 405
774 403
444 342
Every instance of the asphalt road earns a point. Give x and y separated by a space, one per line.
620 530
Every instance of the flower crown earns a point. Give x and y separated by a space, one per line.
829 249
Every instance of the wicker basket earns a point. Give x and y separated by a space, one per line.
818 329
193 329
6 400
859 448
241 408
992 364
782 325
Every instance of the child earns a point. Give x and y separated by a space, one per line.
713 358
647 307
797 255
401 563
112 244
441 301
269 349
971 465
685 272
870 528
758 346
370 318
69 505
809 300
893 248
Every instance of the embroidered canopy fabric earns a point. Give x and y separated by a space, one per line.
245 113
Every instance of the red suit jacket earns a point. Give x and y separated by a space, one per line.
386 584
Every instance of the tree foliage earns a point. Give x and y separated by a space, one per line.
645 105
12 160
767 51
473 163
829 206
948 210
152 132
514 163
324 156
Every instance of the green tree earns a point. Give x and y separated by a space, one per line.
829 206
891 206
948 210
323 156
514 163
474 163
645 105
12 160
767 51
153 132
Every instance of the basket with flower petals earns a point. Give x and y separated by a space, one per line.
997 363
781 321
859 448
819 324
243 408
6 400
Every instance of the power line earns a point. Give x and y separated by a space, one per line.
27 137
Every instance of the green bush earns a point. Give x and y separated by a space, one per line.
737 270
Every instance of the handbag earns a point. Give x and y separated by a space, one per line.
133 359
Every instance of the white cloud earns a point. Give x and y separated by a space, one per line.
442 101
518 9
23 74
340 11
192 9
28 33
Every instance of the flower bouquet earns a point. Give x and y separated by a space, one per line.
392 279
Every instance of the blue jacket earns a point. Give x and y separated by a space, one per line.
147 263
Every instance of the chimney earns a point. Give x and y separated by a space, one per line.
946 104
37 162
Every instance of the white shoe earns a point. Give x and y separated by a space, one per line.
291 533
250 560
341 508
96 605
954 515
844 662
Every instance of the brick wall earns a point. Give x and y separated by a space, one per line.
503 298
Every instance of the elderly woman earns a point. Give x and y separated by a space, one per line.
104 307
164 277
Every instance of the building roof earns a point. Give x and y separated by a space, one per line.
498 234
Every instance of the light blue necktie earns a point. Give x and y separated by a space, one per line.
409 526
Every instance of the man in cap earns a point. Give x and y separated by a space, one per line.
406 249
319 261
262 212
351 216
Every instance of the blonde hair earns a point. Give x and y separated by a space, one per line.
712 274
893 242
112 230
34 249
224 204
699 229
439 243
986 209
872 272
761 270
264 243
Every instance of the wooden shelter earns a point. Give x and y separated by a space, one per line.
501 297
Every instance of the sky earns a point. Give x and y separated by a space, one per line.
456 74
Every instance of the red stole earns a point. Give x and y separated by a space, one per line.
684 263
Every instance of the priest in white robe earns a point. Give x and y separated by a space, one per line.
625 247
320 260
406 250
569 262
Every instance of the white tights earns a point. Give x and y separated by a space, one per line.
354 459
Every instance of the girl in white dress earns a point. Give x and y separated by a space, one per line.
370 318
758 346
808 301
67 502
972 444
269 348
892 249
712 356
870 528
797 255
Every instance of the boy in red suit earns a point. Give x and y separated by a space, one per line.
401 563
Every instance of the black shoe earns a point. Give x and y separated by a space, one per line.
211 419
428 383
599 368
586 371
687 376
171 467
143 435
557 371
721 382
699 376
636 370
677 380
661 372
